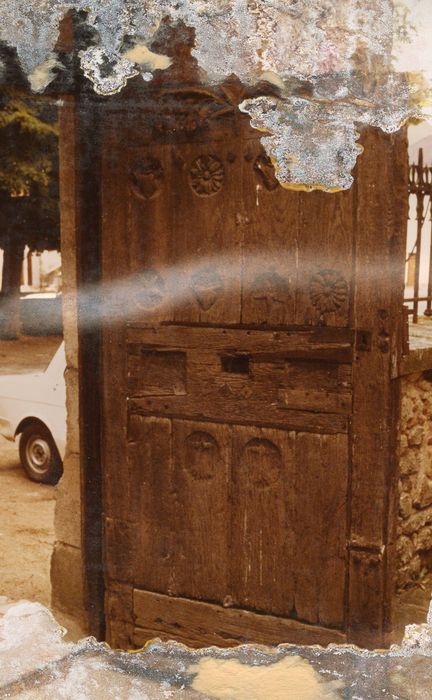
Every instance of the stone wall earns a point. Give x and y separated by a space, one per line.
67 572
414 542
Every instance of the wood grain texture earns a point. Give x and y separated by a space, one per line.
119 615
206 236
258 438
379 260
149 452
263 491
325 242
321 484
201 484
269 225
202 624
259 392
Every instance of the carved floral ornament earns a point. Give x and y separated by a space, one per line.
329 63
206 175
328 291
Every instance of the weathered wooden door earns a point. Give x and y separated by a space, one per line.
247 488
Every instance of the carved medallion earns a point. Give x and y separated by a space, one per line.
206 286
150 290
206 175
328 291
146 178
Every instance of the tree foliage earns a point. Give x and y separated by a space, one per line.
29 209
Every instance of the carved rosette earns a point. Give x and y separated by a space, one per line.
206 175
328 291
146 177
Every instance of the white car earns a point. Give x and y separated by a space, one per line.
33 408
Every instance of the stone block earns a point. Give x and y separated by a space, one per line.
67 519
405 506
415 522
72 407
415 436
422 540
70 328
405 550
422 494
67 580
410 461
403 442
406 409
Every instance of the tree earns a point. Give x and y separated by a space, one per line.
29 199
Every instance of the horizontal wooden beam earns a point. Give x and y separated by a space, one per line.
199 624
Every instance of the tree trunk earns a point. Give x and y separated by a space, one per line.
10 322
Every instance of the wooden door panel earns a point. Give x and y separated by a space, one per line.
321 488
325 258
225 485
240 376
234 401
206 236
263 493
149 206
149 453
270 242
201 485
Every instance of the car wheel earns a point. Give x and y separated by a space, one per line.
39 454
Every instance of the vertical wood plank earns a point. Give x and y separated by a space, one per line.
270 232
325 243
320 527
201 482
262 533
378 300
150 187
206 236
115 266
150 460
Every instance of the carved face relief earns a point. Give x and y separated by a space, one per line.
151 290
328 291
146 178
206 175
206 287
263 461
202 456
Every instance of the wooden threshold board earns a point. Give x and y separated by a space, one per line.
199 624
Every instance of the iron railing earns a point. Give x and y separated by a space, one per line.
418 282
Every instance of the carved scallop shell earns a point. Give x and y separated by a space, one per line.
328 291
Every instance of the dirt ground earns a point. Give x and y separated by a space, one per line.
26 508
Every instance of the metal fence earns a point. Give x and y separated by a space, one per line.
418 276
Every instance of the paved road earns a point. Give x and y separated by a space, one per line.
26 508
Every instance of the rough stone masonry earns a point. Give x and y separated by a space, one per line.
414 542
